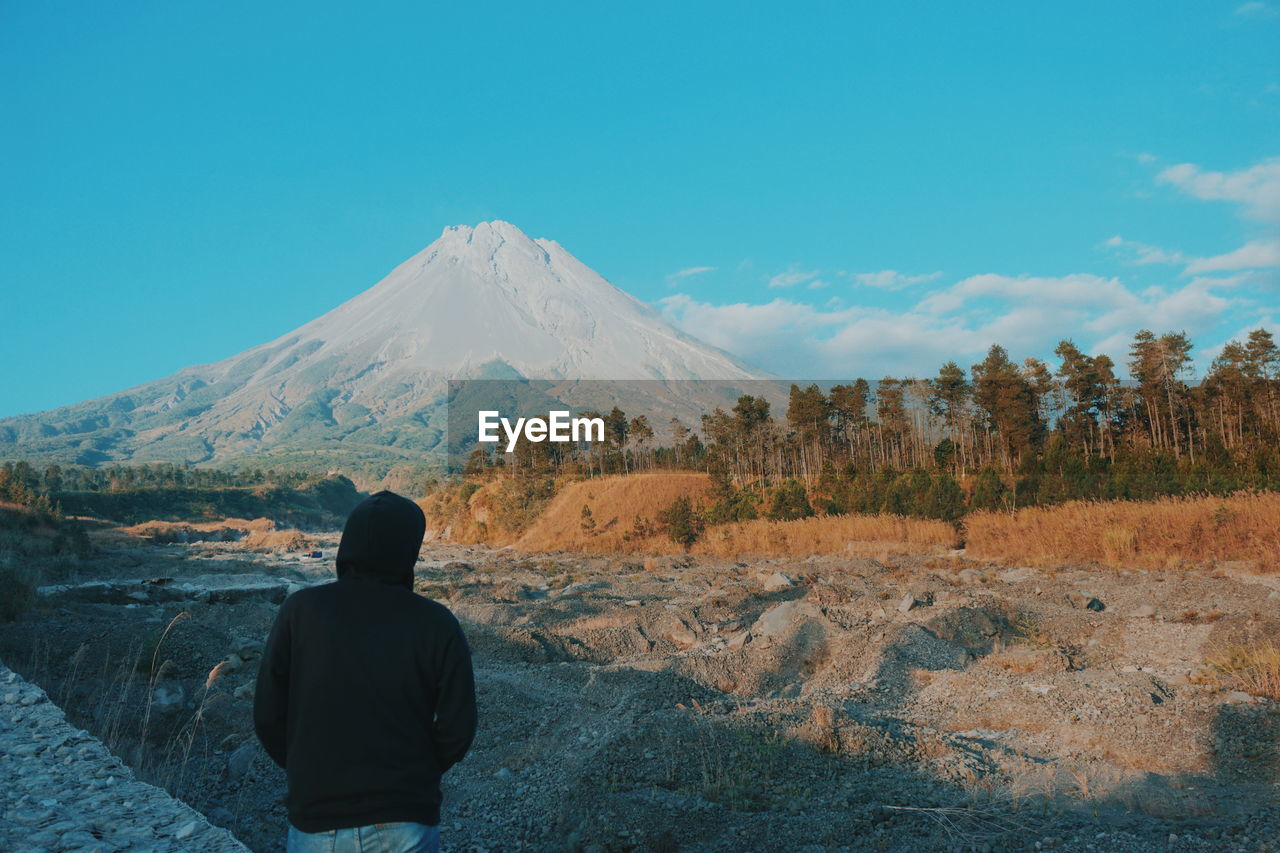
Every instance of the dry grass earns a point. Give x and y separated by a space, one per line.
617 504
1254 669
225 530
1165 533
860 535
622 510
1027 661
275 541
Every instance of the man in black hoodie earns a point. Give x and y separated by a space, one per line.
365 694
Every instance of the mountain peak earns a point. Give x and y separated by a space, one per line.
495 228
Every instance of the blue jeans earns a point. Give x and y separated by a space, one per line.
374 838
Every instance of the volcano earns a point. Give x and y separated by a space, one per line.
366 381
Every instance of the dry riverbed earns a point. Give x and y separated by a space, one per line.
909 703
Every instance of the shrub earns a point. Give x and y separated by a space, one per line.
681 522
790 502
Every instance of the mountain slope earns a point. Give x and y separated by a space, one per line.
365 381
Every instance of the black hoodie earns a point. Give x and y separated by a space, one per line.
365 694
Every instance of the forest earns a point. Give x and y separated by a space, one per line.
999 435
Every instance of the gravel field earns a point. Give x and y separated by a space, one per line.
828 703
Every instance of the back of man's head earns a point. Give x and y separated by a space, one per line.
381 540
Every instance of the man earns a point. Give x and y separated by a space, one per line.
365 695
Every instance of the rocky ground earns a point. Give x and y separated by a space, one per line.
829 703
64 792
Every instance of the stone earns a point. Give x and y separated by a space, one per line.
1237 697
738 640
1085 601
167 699
187 830
778 619
1143 611
907 603
244 691
246 648
241 759
682 636
972 576
778 581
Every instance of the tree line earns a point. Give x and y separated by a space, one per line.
1000 434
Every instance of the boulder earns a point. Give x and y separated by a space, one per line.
778 581
1085 601
241 759
780 618
683 636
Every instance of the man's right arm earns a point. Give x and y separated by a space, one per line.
271 694
455 723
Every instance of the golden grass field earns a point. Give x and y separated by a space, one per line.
1164 533
616 503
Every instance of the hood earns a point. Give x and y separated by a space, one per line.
381 540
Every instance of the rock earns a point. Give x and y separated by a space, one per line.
907 603
682 636
738 640
75 839
778 619
778 581
244 691
971 576
247 649
1085 601
167 699
1143 611
1237 697
241 759
187 830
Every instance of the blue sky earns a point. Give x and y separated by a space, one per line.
826 189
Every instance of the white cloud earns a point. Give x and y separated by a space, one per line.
792 277
1079 290
676 277
892 279
1257 188
1026 314
1258 254
1255 10
1141 254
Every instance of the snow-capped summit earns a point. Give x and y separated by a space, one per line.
477 302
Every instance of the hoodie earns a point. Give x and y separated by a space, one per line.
365 694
